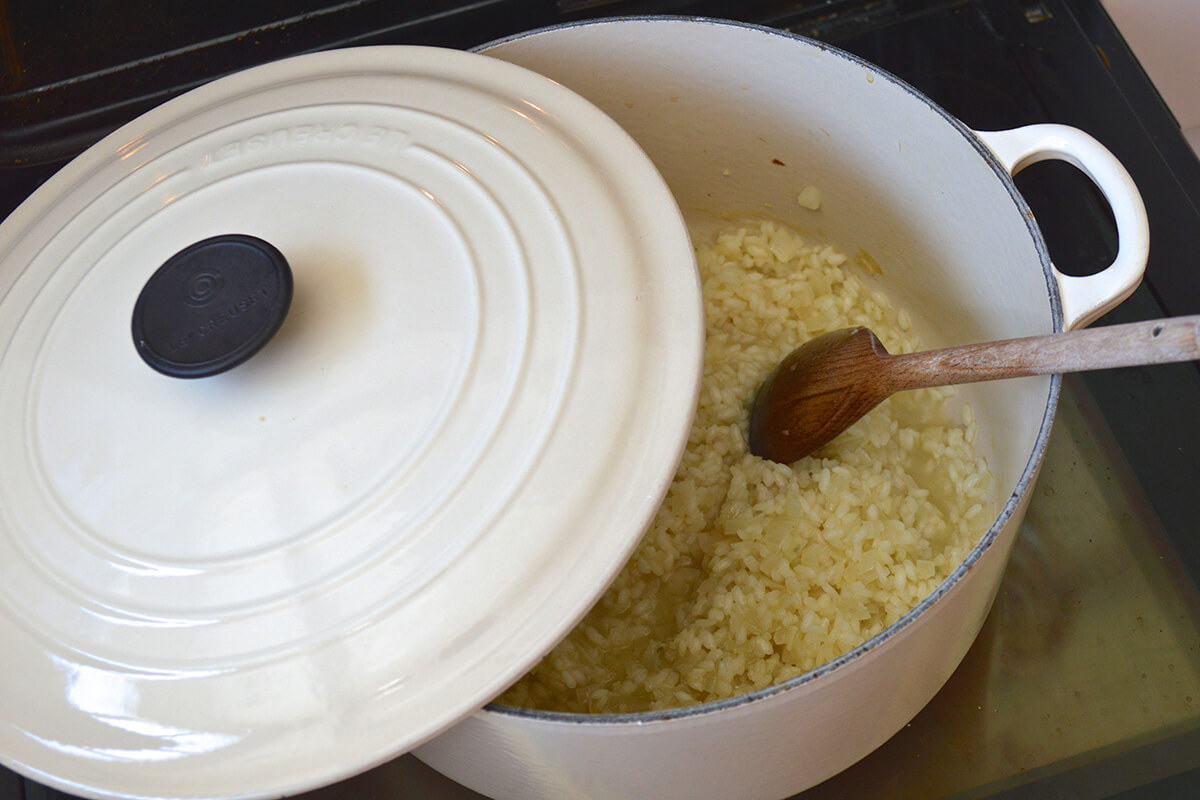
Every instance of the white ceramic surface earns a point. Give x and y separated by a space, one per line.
264 581
739 120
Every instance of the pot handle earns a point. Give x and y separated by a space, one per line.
1085 298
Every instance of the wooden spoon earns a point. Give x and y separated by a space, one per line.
829 383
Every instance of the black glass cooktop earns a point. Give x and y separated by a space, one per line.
1085 682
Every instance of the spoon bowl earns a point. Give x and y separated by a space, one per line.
819 390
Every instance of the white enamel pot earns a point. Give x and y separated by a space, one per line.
739 120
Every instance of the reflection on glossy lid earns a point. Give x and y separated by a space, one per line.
284 573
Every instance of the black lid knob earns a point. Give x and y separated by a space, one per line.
211 306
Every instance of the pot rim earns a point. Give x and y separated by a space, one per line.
1003 517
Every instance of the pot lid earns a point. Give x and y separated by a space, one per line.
354 534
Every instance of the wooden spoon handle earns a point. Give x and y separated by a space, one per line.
1155 342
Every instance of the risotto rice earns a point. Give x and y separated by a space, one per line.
755 572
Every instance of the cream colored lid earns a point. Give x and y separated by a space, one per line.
255 583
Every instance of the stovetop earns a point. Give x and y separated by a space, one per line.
1085 681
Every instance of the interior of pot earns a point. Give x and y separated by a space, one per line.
740 120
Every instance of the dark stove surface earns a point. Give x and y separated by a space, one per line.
1086 680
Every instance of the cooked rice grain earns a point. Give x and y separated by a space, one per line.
755 572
